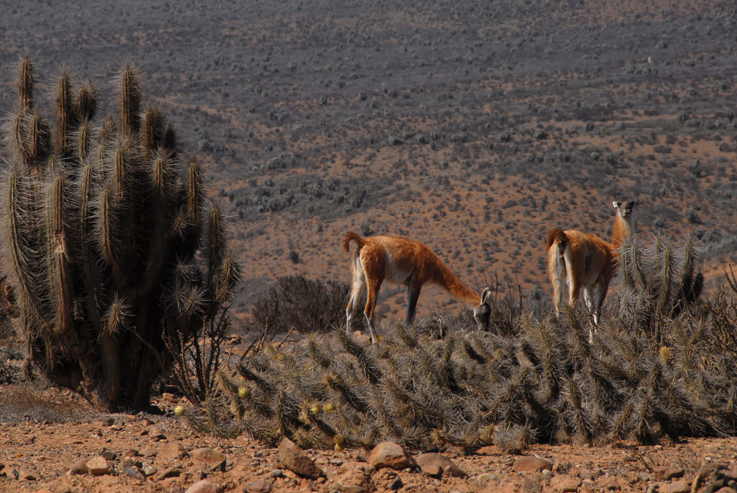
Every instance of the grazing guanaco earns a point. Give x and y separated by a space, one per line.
585 261
410 263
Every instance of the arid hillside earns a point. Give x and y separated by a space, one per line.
471 126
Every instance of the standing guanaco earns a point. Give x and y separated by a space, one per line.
585 261
410 263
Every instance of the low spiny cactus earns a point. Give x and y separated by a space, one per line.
103 226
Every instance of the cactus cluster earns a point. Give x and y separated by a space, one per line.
532 378
116 255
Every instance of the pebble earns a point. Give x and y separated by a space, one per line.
208 455
389 454
203 486
98 466
134 472
79 467
531 464
259 486
297 461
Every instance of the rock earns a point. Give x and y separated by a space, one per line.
389 454
294 459
208 455
355 477
149 470
27 476
172 472
134 472
531 464
396 484
565 484
156 434
681 486
276 473
203 486
729 474
529 485
79 467
109 455
259 486
726 489
149 451
44 490
439 465
171 451
98 466
665 473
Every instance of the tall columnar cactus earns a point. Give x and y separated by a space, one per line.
102 226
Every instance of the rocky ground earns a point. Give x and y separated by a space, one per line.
51 440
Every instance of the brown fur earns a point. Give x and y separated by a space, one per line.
399 261
585 261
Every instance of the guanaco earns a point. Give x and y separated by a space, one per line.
410 263
585 261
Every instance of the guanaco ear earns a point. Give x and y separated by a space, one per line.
616 204
485 295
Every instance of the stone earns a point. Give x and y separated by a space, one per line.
530 485
438 465
726 489
79 467
681 486
109 455
134 472
294 459
149 451
355 477
396 484
27 476
531 464
98 466
259 486
203 486
171 451
391 455
172 472
665 473
208 455
565 484
729 474
44 490
149 470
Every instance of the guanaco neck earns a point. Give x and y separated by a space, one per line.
624 229
448 280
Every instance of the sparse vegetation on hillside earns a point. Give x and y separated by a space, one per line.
117 256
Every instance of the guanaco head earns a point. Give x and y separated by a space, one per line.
624 208
482 312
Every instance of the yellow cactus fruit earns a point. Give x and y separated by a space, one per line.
339 439
243 392
328 407
339 447
315 409
666 355
179 410
281 356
